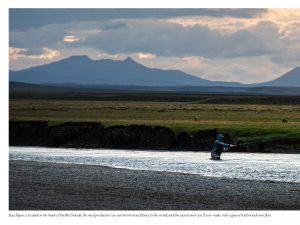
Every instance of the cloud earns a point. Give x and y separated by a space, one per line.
219 44
289 58
47 36
105 55
71 38
113 25
142 55
45 53
15 53
283 18
22 19
162 38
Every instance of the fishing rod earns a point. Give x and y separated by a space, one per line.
260 141
257 142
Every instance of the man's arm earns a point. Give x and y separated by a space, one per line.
225 145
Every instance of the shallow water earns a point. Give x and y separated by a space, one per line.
254 166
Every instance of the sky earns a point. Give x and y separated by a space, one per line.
243 45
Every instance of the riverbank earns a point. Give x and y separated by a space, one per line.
50 186
95 135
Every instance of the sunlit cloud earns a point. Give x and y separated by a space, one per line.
71 38
80 33
193 60
105 55
282 15
15 53
227 25
142 55
47 53
284 18
83 32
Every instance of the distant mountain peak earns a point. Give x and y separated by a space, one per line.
79 58
132 63
128 59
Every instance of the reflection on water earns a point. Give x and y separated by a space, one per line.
257 166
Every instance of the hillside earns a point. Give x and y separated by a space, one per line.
289 79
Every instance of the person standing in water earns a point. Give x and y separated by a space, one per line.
218 147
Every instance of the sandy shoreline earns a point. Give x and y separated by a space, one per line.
50 186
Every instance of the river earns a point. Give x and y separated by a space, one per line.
253 166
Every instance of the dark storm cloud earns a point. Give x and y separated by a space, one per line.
47 36
169 39
22 19
113 25
161 38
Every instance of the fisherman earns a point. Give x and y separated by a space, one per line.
218 147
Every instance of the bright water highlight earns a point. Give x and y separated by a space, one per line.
253 166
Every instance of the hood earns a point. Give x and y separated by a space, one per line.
220 137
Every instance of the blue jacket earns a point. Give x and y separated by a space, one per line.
219 145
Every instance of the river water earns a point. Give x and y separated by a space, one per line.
254 166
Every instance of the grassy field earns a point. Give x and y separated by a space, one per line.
247 122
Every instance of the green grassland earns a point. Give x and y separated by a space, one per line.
247 122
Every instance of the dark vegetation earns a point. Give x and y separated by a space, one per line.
161 97
94 135
235 95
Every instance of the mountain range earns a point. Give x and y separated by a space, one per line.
81 70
